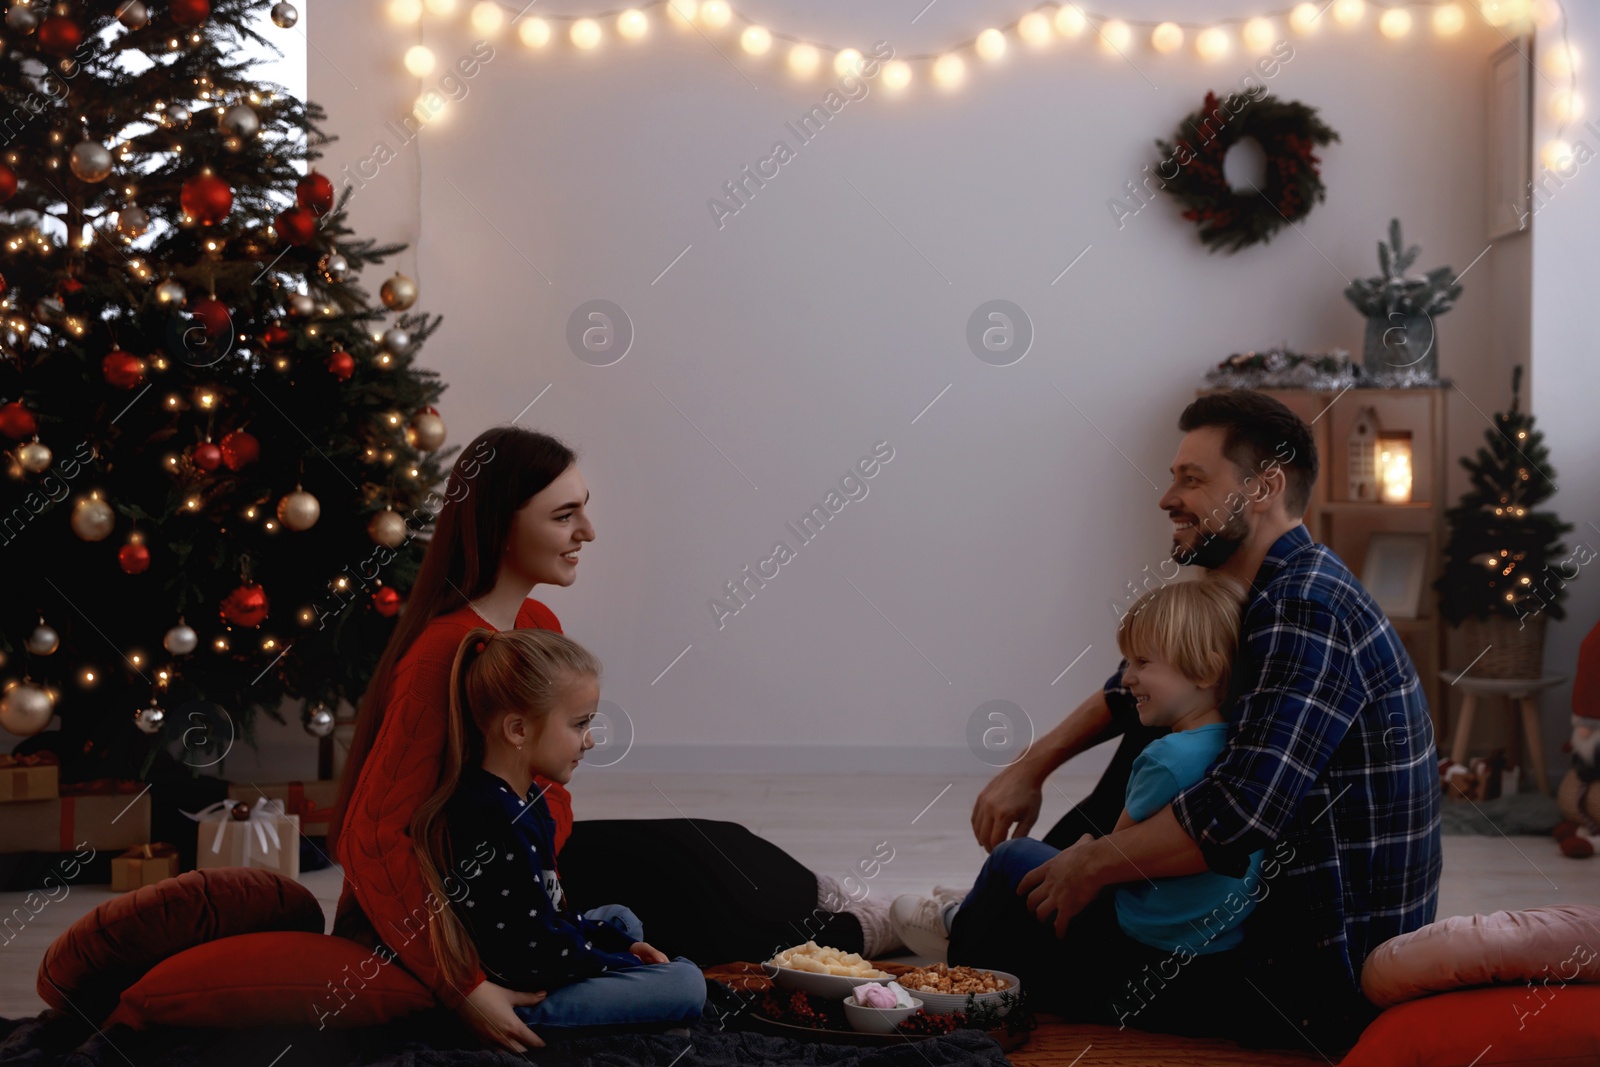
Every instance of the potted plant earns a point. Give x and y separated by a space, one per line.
1505 569
1400 311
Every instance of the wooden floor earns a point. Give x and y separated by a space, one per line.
831 823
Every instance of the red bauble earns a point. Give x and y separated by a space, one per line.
122 369
213 315
296 226
206 198
133 558
206 456
190 12
245 606
69 285
240 449
8 183
341 365
17 421
59 35
275 336
386 602
314 193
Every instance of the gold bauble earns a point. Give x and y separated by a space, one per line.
426 433
398 293
387 528
34 457
25 710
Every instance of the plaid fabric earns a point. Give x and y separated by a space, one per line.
1330 755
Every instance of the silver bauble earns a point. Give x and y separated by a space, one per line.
387 528
395 340
133 14
91 161
398 293
34 457
132 221
337 267
302 305
43 641
149 719
174 116
319 721
25 710
93 519
180 640
239 120
299 510
284 15
22 18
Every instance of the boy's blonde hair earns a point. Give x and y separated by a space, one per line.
1192 625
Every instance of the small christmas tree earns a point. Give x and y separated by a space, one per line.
220 450
1498 559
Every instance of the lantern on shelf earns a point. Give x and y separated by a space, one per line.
1394 466
1362 457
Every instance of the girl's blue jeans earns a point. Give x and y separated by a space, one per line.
651 993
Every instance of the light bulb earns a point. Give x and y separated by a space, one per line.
949 70
1556 154
419 60
441 7
756 40
535 32
715 14
804 60
1070 21
488 17
848 61
1566 106
1448 20
405 12
1258 34
1560 61
1212 43
632 24
1395 23
896 75
585 33
1167 37
1034 28
682 11
1305 18
990 45
1115 36
1349 12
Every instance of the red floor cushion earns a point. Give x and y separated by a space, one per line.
1543 1024
86 969
273 979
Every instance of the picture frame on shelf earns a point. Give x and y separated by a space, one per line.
1394 572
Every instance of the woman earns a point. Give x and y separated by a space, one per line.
515 517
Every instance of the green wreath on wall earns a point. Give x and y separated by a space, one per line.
1191 168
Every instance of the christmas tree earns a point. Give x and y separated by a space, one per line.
220 450
1503 557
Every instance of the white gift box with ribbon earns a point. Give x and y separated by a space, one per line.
269 838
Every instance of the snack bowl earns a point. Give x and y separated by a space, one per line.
949 1003
877 1020
816 984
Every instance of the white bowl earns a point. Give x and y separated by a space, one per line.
950 1003
878 1020
826 986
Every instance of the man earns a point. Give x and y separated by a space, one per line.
1329 768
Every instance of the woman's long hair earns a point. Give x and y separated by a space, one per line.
517 670
492 478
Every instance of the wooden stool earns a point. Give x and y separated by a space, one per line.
1520 693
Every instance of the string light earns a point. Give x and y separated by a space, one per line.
682 11
631 24
1071 21
586 33
804 60
1115 36
1167 37
420 61
1349 13
441 7
990 45
715 14
949 71
1395 23
488 17
756 40
1566 106
405 12
1212 43
896 75
848 61
1305 19
1034 28
1259 34
535 32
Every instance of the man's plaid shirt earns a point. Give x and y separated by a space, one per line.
1330 753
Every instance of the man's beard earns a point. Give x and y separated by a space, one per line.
1214 549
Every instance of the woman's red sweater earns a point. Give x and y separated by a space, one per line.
384 897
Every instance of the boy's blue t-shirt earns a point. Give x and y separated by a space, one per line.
1200 912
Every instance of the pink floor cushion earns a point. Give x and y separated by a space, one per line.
86 969
1539 1025
1558 943
273 979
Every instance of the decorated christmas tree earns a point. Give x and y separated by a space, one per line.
1503 557
219 450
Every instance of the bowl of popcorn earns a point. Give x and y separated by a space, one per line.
879 1009
944 990
820 971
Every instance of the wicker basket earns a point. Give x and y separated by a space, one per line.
1515 646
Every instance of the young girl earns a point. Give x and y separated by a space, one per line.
520 707
1178 643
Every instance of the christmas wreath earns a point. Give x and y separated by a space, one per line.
1288 132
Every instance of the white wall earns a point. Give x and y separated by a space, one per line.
832 309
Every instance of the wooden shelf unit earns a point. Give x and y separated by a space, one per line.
1345 525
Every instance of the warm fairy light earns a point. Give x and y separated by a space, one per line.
405 12
848 61
682 11
268 644
193 503
250 512
1504 12
585 33
1395 23
1394 467
896 75
87 678
341 583
1349 12
948 70
804 60
1115 36
1305 18
420 61
535 32
136 658
1448 20
1560 61
990 45
173 402
1071 21
1556 155
488 17
206 398
220 643
1212 43
632 24
1167 37
715 14
441 7
1566 106
756 40
1034 28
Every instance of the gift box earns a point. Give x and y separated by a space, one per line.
142 866
311 801
106 815
35 776
269 838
